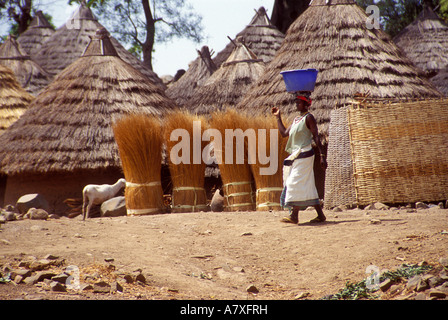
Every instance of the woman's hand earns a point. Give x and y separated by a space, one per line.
323 162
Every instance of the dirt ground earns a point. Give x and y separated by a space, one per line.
212 255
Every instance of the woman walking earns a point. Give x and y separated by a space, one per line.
299 190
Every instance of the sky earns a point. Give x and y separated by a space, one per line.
220 18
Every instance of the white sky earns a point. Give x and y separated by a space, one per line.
220 18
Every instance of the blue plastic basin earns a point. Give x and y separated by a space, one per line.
300 80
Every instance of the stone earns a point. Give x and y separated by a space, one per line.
421 205
444 262
437 294
377 206
375 221
386 284
422 285
9 216
21 272
61 278
435 281
57 287
41 275
413 282
140 277
101 287
116 287
40 264
252 289
37 214
32 200
114 207
217 203
443 275
420 296
86 286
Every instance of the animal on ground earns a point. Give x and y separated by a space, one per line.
94 194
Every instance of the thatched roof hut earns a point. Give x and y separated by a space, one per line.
37 33
29 74
198 72
333 38
65 139
69 41
441 81
425 42
14 100
260 35
227 86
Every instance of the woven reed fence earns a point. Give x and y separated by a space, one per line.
399 151
339 182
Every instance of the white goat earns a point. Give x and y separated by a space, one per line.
94 194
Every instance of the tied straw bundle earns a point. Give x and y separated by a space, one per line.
140 146
188 178
236 178
268 186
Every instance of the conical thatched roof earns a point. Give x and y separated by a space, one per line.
37 33
350 58
441 81
69 125
29 74
198 72
260 35
227 86
69 41
14 100
425 42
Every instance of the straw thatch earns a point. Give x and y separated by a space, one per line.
232 158
227 86
186 166
198 72
425 42
14 100
39 31
29 74
383 143
140 145
69 41
268 183
350 58
441 81
261 36
67 128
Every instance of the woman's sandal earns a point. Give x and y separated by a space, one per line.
317 220
290 220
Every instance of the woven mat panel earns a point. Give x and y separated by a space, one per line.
339 182
399 151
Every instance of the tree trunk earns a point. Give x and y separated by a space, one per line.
150 33
23 18
285 12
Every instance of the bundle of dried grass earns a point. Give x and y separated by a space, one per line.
188 175
140 147
236 177
268 186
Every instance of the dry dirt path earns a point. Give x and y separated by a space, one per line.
218 255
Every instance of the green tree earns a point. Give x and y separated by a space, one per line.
141 24
16 11
397 14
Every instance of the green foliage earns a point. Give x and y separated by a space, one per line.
395 15
166 19
356 291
